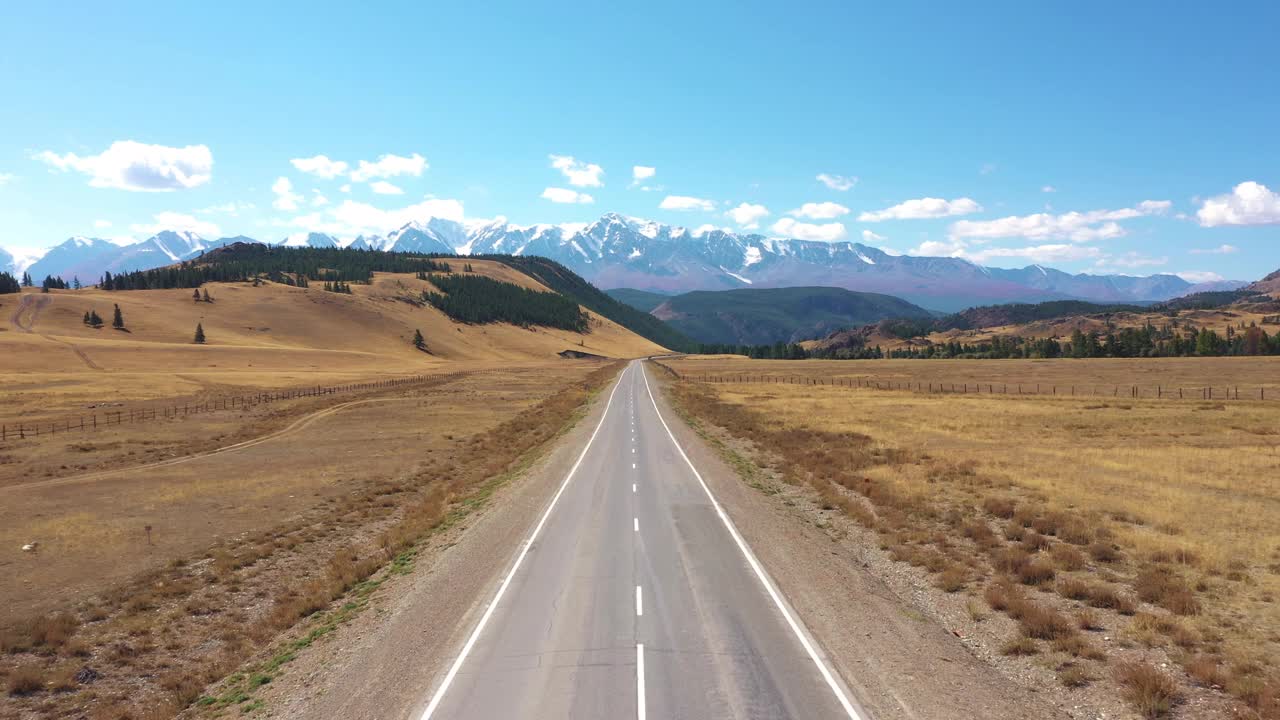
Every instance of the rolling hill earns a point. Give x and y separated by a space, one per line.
643 300
770 315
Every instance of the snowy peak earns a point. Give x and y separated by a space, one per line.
311 239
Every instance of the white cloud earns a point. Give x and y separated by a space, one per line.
321 166
101 224
388 166
353 218
579 174
1220 250
1048 189
566 196
231 208
923 208
129 165
319 199
345 188
1248 203
1199 276
868 236
837 182
1132 259
382 187
6 177
684 202
1050 253
178 222
286 198
820 211
748 216
640 173
787 227
1077 227
706 228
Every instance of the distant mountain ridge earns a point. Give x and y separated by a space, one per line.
617 251
765 316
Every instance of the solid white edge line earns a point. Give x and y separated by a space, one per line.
755 566
639 603
502 589
640 709
636 524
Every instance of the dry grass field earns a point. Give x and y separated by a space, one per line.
165 552
1156 522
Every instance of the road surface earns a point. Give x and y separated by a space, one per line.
635 597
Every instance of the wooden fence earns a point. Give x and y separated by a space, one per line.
23 430
1221 392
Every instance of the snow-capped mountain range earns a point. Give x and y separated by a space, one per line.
618 251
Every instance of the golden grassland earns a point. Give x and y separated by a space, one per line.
1164 513
247 544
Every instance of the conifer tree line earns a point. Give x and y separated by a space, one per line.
298 265
337 286
93 319
26 280
1140 342
53 283
9 284
776 351
475 299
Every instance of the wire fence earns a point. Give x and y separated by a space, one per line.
109 418
1155 392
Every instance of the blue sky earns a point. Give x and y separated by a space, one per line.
1107 137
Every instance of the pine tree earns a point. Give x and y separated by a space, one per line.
86 317
195 295
95 320
206 296
418 340
117 321
75 282
26 280
199 334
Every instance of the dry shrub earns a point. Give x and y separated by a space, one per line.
1013 531
1073 588
1066 557
1087 619
1044 623
53 630
1151 693
1020 646
1161 586
25 679
1207 670
1104 552
1073 676
1001 507
182 686
980 533
1036 572
1035 542
1076 532
954 578
1078 646
1108 597
1000 595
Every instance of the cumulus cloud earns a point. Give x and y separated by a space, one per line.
1223 249
579 174
640 173
1132 259
353 218
748 216
319 199
1048 189
837 182
102 224
6 177
566 196
345 188
706 228
286 198
388 166
1199 276
129 165
382 187
1050 253
321 166
178 222
820 211
788 227
231 208
1248 203
868 236
684 202
1077 227
923 208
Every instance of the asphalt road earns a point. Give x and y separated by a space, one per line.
635 597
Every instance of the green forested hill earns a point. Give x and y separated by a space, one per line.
639 299
770 315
